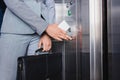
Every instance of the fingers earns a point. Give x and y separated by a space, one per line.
55 32
62 35
46 46
40 44
68 37
58 39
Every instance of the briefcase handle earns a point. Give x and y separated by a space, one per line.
40 51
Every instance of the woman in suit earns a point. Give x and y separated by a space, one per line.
23 28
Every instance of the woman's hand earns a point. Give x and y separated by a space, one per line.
55 32
45 42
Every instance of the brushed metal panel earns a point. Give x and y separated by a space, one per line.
95 19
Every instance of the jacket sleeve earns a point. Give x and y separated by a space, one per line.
21 10
48 11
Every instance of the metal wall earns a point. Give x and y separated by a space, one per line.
71 50
114 38
84 54
76 53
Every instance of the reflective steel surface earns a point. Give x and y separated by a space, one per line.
96 54
114 38
76 53
69 10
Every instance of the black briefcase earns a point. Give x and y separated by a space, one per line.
40 67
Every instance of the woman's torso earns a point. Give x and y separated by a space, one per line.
13 24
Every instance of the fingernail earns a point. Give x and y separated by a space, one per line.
39 47
71 38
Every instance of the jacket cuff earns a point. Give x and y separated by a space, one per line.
42 28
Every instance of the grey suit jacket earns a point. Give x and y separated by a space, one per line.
20 18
